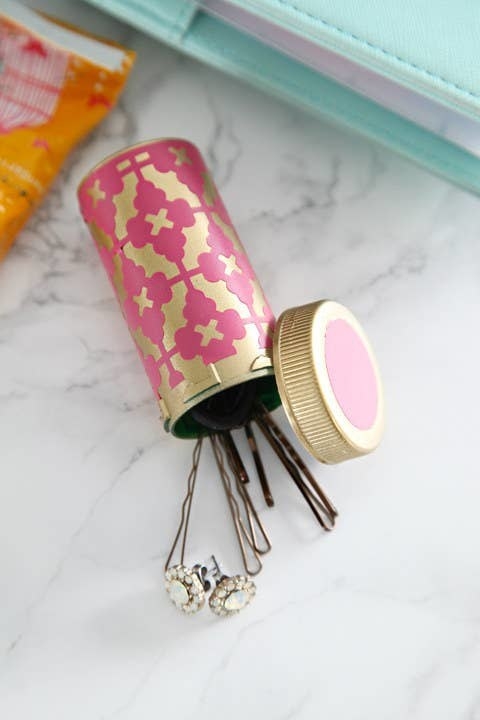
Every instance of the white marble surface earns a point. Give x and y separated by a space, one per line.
379 620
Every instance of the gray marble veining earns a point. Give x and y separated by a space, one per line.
378 620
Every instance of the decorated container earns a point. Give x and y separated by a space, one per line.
191 300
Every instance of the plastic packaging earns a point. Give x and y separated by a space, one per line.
56 84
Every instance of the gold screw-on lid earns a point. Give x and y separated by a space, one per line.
328 381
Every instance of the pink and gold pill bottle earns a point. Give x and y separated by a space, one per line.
190 298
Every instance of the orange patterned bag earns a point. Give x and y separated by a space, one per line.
56 84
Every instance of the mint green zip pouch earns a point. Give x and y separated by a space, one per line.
406 74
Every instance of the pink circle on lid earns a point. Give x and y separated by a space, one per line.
351 374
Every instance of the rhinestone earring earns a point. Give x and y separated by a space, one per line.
231 594
185 588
